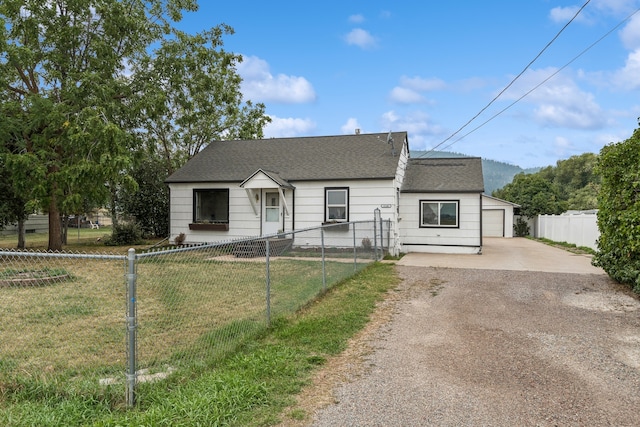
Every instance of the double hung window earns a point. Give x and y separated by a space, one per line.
336 204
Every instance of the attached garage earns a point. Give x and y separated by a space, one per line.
493 222
497 217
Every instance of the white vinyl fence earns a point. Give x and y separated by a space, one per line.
579 229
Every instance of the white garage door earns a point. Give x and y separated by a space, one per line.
493 223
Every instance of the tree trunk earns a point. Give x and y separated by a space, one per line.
55 231
63 230
114 202
21 234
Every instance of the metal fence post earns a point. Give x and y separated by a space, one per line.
375 234
268 273
381 239
355 251
324 275
131 327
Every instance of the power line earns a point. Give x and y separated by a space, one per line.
542 82
512 81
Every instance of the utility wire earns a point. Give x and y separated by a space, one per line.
542 82
513 80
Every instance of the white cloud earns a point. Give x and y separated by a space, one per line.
410 87
403 95
630 34
596 10
558 102
350 126
418 124
288 127
259 85
356 19
563 14
562 146
360 38
615 7
421 84
627 77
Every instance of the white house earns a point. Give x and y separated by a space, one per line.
237 189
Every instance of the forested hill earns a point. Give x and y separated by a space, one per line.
496 174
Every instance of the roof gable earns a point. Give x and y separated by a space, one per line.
258 178
362 156
444 175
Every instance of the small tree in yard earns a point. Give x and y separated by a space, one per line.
619 211
148 203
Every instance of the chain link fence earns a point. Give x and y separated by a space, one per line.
104 323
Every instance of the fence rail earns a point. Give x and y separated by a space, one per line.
102 323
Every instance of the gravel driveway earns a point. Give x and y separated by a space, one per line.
477 346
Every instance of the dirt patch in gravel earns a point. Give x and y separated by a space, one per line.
487 347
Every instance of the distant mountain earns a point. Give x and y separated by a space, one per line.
496 174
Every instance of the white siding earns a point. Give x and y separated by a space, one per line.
394 215
464 239
364 197
243 222
308 208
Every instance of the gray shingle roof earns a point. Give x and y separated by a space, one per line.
454 175
364 156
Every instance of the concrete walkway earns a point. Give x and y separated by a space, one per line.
509 254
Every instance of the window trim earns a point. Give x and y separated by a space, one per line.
328 220
194 211
440 202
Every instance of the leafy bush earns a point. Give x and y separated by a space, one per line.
366 244
124 234
619 211
148 204
521 228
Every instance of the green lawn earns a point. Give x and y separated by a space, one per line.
201 319
78 240
249 386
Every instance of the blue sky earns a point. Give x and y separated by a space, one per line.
428 67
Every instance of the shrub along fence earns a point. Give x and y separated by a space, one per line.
98 324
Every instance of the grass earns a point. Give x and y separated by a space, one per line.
568 246
79 240
249 387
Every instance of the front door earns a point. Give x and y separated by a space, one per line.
271 213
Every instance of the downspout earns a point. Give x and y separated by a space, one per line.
293 209
481 242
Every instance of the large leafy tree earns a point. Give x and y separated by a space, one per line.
82 86
534 193
576 180
570 184
194 96
619 211
62 68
